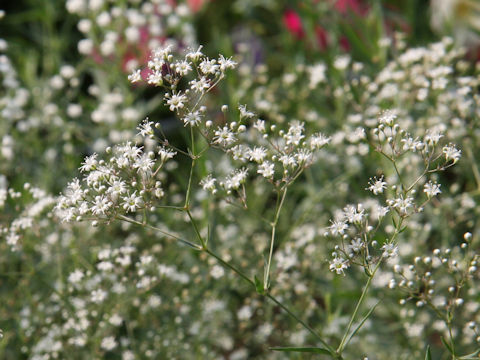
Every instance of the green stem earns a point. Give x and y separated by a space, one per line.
272 239
357 308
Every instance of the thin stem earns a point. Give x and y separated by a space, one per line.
195 227
272 239
301 322
359 303
132 221
187 197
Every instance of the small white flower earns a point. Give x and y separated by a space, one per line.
338 228
257 154
192 119
176 101
135 76
338 265
224 136
132 202
108 343
390 250
431 189
244 113
266 169
452 153
200 85
208 184
376 186
90 163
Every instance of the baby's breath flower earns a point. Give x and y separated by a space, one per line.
390 250
145 128
431 189
376 186
200 85
244 113
192 118
266 169
208 184
338 227
338 264
135 76
90 163
224 136
132 202
257 154
176 101
452 153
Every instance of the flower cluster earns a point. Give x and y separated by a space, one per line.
405 193
127 182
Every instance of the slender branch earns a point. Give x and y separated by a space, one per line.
272 240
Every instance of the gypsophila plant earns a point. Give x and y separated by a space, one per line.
313 193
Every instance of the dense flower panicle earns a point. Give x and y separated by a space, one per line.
129 183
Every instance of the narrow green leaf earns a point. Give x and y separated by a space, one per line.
473 356
447 345
259 286
357 328
402 229
302 349
428 355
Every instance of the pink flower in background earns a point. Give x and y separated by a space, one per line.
195 5
293 22
344 6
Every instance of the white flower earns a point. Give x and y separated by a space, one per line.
98 296
452 153
259 125
176 101
208 184
145 128
257 154
338 228
338 265
90 163
224 136
390 250
318 140
377 185
165 153
135 76
192 119
388 117
266 169
244 113
236 179
403 204
108 343
356 245
195 55
431 189
226 63
132 202
182 67
354 214
200 85
101 205
209 66
75 276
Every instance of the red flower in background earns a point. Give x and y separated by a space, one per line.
293 22
344 6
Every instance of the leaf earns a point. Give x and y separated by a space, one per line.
428 354
259 286
302 349
362 322
472 356
447 345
